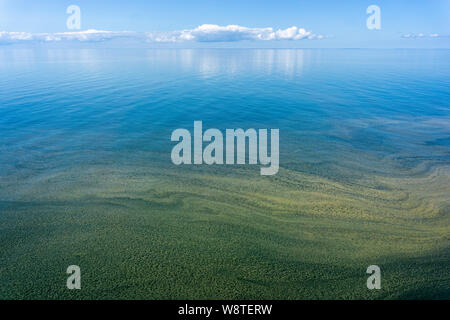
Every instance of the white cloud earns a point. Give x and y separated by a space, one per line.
203 33
216 33
421 36
87 35
15 36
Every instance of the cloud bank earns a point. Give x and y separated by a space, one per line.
215 33
203 33
88 35
421 36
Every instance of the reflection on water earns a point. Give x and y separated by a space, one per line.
208 62
212 63
86 176
87 104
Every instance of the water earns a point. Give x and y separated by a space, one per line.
358 129
63 108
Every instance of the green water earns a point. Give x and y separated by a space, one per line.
86 176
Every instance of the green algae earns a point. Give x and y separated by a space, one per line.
225 232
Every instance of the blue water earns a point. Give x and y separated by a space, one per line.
60 109
86 176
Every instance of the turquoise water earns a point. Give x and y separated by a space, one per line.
72 106
363 133
60 108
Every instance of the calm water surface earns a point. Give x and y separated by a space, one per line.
63 108
86 176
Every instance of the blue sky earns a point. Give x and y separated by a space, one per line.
326 23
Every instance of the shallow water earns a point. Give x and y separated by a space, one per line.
85 161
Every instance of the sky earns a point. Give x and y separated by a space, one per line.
237 23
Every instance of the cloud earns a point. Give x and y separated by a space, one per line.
216 33
422 36
88 35
203 33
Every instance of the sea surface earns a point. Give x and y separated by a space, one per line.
86 176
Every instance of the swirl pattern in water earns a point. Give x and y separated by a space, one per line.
86 176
